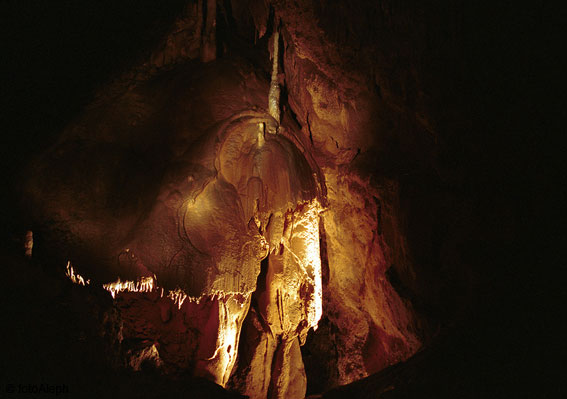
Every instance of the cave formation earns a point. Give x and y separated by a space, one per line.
263 195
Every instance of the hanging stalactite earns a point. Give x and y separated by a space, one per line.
274 94
208 35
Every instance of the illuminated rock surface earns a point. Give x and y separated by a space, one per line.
182 177
205 243
236 195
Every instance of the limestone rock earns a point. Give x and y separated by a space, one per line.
217 206
375 327
147 357
253 373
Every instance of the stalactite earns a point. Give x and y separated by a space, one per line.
274 94
208 35
28 243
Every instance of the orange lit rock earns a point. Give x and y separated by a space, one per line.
279 246
180 176
376 327
288 374
288 301
255 357
219 338
236 195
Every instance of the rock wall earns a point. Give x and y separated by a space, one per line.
223 199
375 326
174 165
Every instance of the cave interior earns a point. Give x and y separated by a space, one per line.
272 198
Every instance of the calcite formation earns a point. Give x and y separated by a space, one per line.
226 231
283 197
382 326
239 195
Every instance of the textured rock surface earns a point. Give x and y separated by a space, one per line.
138 185
255 357
172 171
76 336
375 327
225 195
287 304
416 113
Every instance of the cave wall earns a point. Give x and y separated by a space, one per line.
380 96
337 112
364 100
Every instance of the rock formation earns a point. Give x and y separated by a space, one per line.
280 198
234 196
245 238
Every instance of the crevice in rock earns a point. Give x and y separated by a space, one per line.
309 128
260 285
378 214
355 155
323 255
